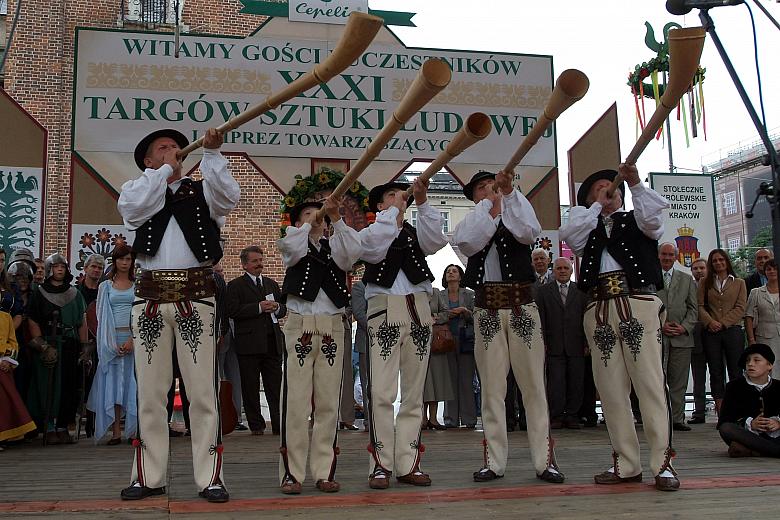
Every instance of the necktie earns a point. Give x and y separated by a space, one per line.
259 283
608 226
667 279
564 292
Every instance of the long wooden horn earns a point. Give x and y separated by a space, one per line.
477 127
685 48
433 76
571 86
358 34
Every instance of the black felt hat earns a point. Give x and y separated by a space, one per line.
377 192
468 189
757 348
143 145
296 210
582 193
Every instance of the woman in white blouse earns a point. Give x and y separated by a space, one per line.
762 317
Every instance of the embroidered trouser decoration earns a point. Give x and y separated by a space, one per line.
631 357
158 329
509 331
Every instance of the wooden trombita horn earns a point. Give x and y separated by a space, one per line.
358 34
571 86
685 47
477 127
434 75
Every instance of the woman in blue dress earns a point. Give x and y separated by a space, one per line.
113 393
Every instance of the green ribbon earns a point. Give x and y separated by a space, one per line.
282 9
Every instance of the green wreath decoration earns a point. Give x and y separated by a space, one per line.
647 68
306 188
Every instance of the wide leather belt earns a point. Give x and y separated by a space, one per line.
614 284
503 295
175 285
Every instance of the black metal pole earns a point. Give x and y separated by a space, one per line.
774 198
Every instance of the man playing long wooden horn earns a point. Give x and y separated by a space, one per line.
177 225
398 285
315 289
621 271
497 236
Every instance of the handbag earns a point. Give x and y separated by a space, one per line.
466 340
442 341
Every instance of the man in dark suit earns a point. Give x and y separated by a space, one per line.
561 309
758 278
254 303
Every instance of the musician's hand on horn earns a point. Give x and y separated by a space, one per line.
609 204
420 191
629 173
331 207
504 181
212 139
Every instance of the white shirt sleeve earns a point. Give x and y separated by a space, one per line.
472 234
294 245
429 232
519 217
220 189
581 222
345 245
377 237
648 210
142 198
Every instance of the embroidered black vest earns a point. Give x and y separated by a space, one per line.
629 246
514 259
188 206
317 270
404 255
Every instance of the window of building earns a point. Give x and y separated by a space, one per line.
445 216
413 220
3 6
157 12
730 203
734 244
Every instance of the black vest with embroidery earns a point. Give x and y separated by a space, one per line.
191 211
629 246
404 255
317 270
514 259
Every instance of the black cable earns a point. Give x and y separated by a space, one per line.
758 67
11 35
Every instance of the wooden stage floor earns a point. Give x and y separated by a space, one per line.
84 480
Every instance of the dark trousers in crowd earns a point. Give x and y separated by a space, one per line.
565 380
252 368
70 382
515 411
728 343
588 408
699 371
761 443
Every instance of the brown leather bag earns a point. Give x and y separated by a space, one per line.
442 341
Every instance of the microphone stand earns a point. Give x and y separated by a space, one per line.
772 191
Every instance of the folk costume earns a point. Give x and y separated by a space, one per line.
507 326
315 291
398 286
58 310
621 272
177 229
15 420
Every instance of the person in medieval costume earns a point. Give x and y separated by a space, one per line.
94 266
177 225
20 269
621 272
58 332
15 420
315 291
398 287
497 237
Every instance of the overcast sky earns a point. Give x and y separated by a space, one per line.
605 39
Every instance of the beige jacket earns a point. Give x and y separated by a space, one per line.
727 307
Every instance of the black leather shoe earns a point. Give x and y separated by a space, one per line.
139 492
486 475
240 427
216 493
696 420
681 427
554 477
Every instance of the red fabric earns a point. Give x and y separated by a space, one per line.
15 420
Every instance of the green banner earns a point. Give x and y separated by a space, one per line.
281 9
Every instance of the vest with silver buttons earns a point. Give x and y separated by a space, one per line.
191 211
514 259
629 246
404 254
316 271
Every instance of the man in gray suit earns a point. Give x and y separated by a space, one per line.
679 297
561 309
360 313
